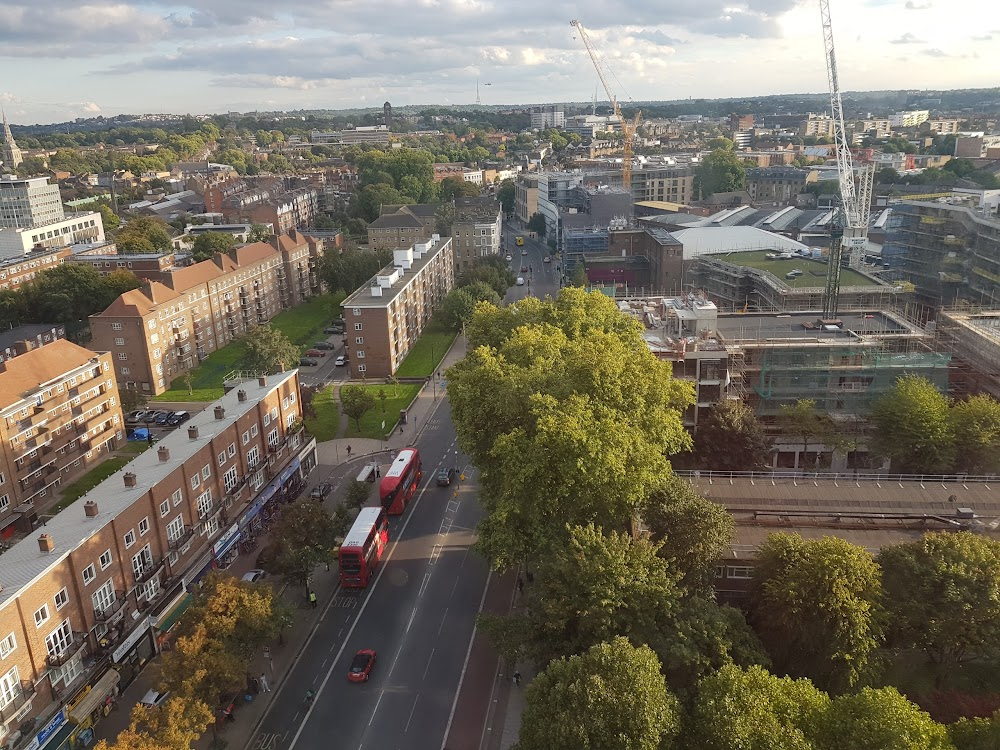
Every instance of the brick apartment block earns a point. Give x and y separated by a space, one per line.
162 330
84 597
384 318
401 226
22 269
59 413
28 337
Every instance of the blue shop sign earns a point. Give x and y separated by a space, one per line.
48 730
287 473
227 540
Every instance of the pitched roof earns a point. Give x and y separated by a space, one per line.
396 221
255 252
25 373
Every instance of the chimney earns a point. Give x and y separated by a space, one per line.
45 543
164 453
193 432
262 380
241 395
90 508
129 479
220 412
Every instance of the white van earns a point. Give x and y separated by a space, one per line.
520 281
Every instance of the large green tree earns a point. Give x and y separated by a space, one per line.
350 268
693 533
975 423
816 606
355 402
568 416
305 536
879 719
943 595
612 697
268 350
144 234
812 427
536 223
731 438
207 244
458 306
721 171
505 194
913 428
976 734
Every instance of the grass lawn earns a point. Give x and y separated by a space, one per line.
303 325
814 271
324 427
371 423
427 353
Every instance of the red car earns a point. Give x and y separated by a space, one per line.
315 353
361 665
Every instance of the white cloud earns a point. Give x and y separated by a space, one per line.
907 39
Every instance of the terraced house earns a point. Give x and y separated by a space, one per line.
163 329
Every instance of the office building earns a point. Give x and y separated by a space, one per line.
60 414
32 218
547 116
385 317
84 598
525 197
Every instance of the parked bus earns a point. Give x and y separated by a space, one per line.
400 481
363 547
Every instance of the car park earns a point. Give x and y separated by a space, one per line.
320 491
179 417
445 476
135 416
164 418
361 665
315 353
340 361
307 362
326 345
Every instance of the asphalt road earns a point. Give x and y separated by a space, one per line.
418 615
326 371
541 279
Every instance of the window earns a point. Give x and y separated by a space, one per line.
357 310
7 645
104 597
125 371
272 438
253 431
253 456
359 340
4 502
62 599
89 574
229 480
177 497
116 326
231 450
361 368
41 615
59 639
206 472
144 526
129 538
739 572
164 508
123 356
105 559
258 480
142 561
204 505
119 342
195 481
175 529
361 353
246 437
357 326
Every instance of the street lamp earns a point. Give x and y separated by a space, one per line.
434 373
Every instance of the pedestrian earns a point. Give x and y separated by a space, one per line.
517 678
348 450
520 585
312 599
263 683
378 471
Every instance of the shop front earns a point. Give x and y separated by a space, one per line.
48 733
134 652
90 706
225 549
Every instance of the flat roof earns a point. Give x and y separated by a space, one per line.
26 331
760 326
814 271
362 296
24 562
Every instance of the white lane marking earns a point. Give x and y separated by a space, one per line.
465 666
455 586
376 708
408 624
444 619
407 727
371 590
429 658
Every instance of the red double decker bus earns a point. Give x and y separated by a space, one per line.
363 547
400 481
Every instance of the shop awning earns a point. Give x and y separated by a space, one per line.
173 615
97 695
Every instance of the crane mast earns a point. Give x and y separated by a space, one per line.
855 200
629 127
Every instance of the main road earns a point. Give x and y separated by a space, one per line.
541 279
418 614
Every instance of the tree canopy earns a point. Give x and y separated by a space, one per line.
207 244
913 428
350 268
731 438
536 223
144 234
506 194
975 423
722 171
355 402
304 537
268 350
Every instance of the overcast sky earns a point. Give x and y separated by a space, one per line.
62 59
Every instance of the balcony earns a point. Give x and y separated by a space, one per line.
19 695
75 646
181 539
148 570
109 612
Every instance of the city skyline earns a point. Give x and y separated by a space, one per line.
66 61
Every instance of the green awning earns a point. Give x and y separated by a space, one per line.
173 615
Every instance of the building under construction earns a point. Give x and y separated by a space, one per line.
972 338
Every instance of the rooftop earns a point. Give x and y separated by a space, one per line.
814 270
382 288
732 239
24 562
27 331
24 375
736 327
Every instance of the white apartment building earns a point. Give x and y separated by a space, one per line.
548 116
68 230
475 176
909 118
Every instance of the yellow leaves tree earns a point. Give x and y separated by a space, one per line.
176 725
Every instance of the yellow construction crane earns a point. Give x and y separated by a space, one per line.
628 126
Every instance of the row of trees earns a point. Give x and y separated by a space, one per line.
487 280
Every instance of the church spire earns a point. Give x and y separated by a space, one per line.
10 154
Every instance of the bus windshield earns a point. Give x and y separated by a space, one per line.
350 564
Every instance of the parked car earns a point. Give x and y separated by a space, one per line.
361 665
340 361
164 418
135 416
315 353
325 345
445 476
154 698
252 576
151 416
307 362
320 491
180 417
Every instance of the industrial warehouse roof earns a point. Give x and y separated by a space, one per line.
723 239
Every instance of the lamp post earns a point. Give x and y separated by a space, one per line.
434 373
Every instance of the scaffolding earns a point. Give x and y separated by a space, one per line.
972 337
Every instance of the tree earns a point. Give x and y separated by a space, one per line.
176 725
816 605
305 537
350 268
877 719
722 171
268 350
943 596
365 203
109 218
731 438
444 218
692 533
485 271
357 493
612 697
737 709
259 233
536 223
207 244
460 303
975 423
804 421
455 187
355 402
721 144
976 734
579 278
568 416
144 234
913 428
506 195
132 399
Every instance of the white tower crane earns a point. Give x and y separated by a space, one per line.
855 199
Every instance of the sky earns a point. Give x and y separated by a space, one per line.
63 59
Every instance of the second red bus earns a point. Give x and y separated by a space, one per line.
400 482
363 547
